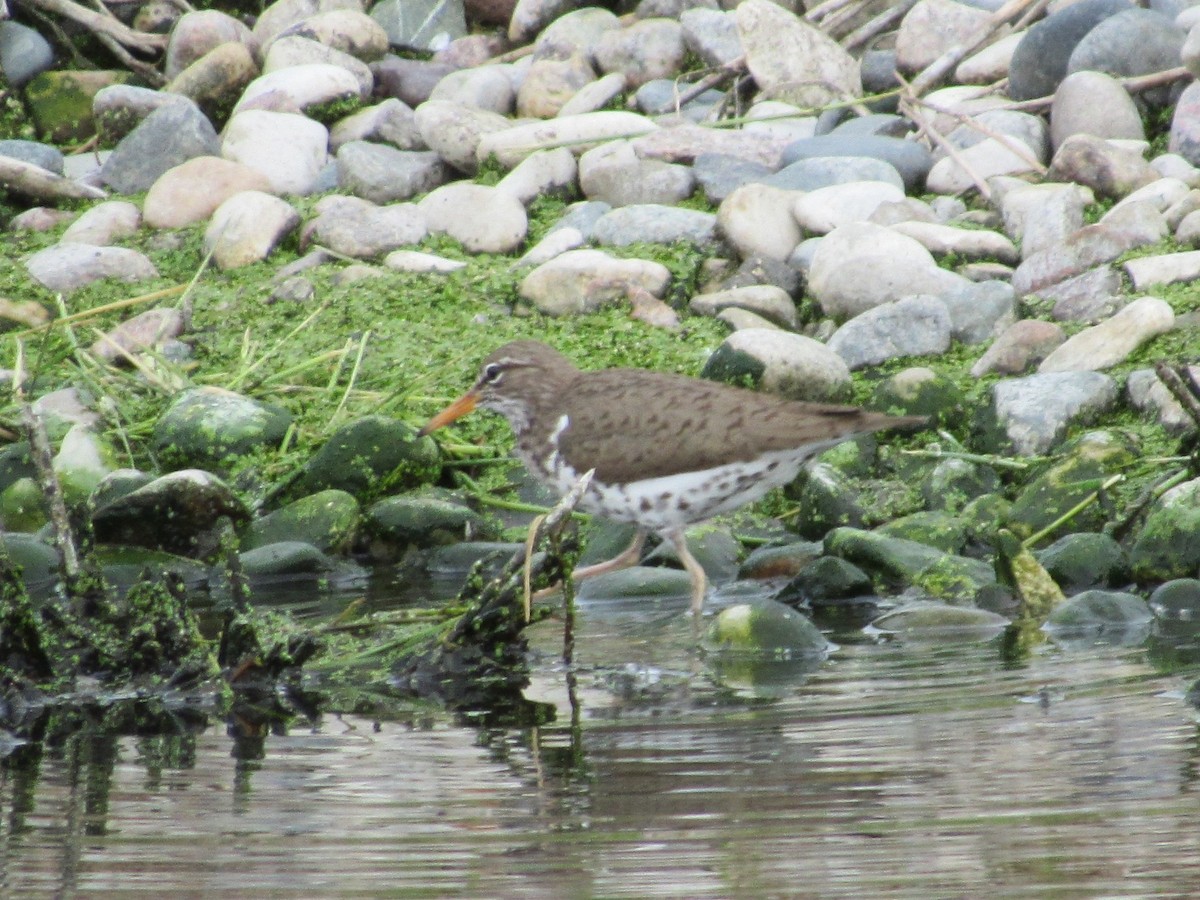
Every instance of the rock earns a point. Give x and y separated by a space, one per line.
933 27
455 130
424 263
823 171
1085 560
1109 170
1185 125
361 229
284 559
909 158
860 266
824 209
953 483
395 524
913 326
1034 412
711 34
68 267
1110 343
410 80
645 50
1125 229
1148 394
531 16
979 310
1041 215
904 562
371 457
936 528
300 89
1041 59
216 80
209 426
1093 103
986 159
767 300
826 578
1098 611
384 174
247 227
24 53
170 135
82 461
293 51
37 559
104 223
655 224
1178 600
486 88
962 242
151 330
547 173
119 108
483 219
580 133
757 220
785 560
200 32
550 83
42 155
594 95
420 24
328 520
1133 42
1167 268
289 149
581 281
925 617
989 64
60 102
390 122
790 365
1167 547
179 513
1019 347
191 191
792 60
765 627
576 30
1089 297
613 173
919 391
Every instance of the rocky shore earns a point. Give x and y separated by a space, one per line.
980 212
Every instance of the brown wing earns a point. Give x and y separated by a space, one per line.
627 422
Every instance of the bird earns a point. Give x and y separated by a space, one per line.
666 451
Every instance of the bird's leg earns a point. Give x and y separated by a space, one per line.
693 568
623 560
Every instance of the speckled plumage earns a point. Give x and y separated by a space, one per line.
668 451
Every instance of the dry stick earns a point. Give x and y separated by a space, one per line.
99 24
1135 84
839 20
1008 141
821 10
877 25
940 67
911 110
725 72
1179 389
43 462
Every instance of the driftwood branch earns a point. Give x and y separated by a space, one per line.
41 184
1183 391
102 24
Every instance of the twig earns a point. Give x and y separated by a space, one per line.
940 67
876 26
828 8
1073 511
909 108
1134 84
100 24
834 23
1006 140
1179 389
724 72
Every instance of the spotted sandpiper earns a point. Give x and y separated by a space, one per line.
668 451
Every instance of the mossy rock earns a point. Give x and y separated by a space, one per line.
953 483
370 457
826 578
919 391
1178 600
898 561
124 566
932 527
60 103
765 627
830 499
37 559
15 464
1089 461
1168 545
926 617
328 520
984 516
22 506
647 582
395 524
1085 560
207 426
82 462
284 559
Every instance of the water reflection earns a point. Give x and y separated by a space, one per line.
894 769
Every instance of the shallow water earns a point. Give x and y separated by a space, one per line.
901 769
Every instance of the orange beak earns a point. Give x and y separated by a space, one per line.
455 410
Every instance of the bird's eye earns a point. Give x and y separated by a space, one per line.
491 373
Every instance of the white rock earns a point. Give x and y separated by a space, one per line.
247 227
426 263
757 220
768 300
969 243
299 87
1167 268
66 267
289 149
577 133
454 131
481 218
1111 342
795 366
581 281
104 223
827 208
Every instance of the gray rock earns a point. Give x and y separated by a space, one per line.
1109 170
179 513
1149 395
979 310
822 171
547 173
792 60
1133 42
328 520
384 174
1093 103
1185 125
410 80
615 174
167 137
391 122
68 267
154 330
1097 611
643 51
757 220
1110 342
1167 268
104 223
967 243
290 149
1040 60
913 326
361 229
1088 297
1085 560
790 365
43 155
711 34
766 300
1019 347
1036 411
24 53
654 224
909 158
824 209
483 219
488 88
